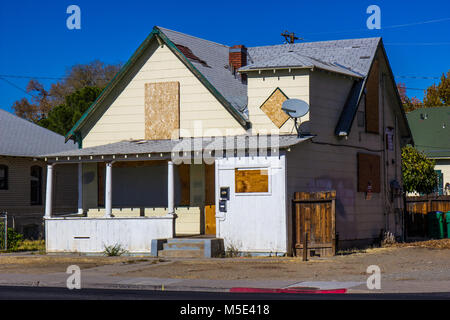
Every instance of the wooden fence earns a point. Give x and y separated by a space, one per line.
417 209
315 221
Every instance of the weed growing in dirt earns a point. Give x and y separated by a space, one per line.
231 252
114 251
388 239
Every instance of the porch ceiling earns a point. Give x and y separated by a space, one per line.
160 149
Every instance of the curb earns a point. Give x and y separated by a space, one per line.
297 290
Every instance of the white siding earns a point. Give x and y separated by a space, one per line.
253 222
89 235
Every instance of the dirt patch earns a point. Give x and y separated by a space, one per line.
394 262
432 244
50 264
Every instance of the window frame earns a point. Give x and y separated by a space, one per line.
6 177
38 201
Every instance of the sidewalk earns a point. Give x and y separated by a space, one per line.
114 277
403 270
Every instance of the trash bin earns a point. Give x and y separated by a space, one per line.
435 222
447 222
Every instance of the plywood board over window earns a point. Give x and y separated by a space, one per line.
372 99
162 110
369 172
272 107
251 180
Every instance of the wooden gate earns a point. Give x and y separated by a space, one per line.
315 219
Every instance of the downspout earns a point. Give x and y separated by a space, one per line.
79 139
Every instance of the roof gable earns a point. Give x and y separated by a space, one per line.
350 108
222 84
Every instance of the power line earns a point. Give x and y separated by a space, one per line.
17 87
417 77
42 77
28 77
416 23
387 27
414 89
417 43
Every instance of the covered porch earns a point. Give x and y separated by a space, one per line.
130 200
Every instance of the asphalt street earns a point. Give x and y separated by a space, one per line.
53 293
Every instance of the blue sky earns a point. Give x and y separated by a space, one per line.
34 39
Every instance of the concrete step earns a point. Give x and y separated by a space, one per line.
187 247
188 240
184 246
181 254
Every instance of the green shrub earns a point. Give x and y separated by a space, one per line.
31 245
14 239
114 251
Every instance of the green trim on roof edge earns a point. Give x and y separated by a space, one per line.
238 116
156 32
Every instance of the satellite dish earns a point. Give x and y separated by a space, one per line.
295 108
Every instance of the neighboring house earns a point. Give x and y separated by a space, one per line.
431 131
183 97
22 174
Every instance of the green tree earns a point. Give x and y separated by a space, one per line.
418 171
93 74
435 95
432 98
444 89
64 116
409 104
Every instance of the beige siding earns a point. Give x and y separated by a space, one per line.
16 200
319 167
124 118
260 86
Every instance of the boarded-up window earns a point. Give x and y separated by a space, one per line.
372 99
251 180
272 108
162 110
368 172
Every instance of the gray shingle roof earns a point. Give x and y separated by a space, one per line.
351 56
19 137
216 69
132 147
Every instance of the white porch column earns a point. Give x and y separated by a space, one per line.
80 188
170 188
49 192
108 190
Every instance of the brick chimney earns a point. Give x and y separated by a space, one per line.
238 58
